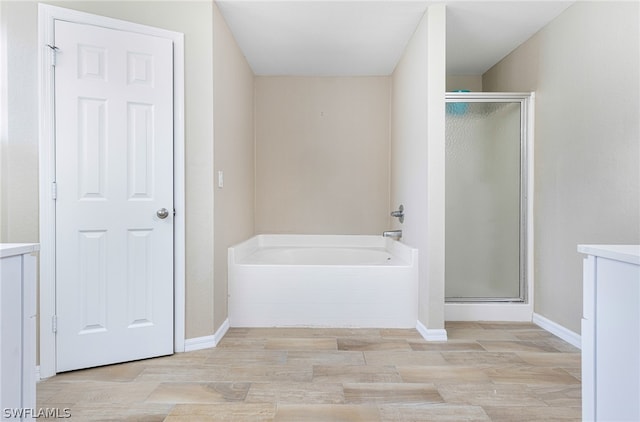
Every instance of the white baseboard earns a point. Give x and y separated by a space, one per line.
199 343
206 342
220 332
431 334
558 330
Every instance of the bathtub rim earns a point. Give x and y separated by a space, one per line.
404 253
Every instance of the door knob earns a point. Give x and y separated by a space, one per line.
162 213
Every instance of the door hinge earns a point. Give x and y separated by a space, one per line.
174 212
54 323
54 190
53 50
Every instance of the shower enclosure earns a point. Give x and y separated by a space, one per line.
486 197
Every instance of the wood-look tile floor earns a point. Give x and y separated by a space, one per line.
485 372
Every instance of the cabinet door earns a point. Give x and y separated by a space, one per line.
29 269
588 339
11 332
617 341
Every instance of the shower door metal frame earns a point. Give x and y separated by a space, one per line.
525 99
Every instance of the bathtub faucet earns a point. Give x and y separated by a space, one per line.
399 213
394 234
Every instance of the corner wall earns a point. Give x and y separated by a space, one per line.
417 159
233 96
584 68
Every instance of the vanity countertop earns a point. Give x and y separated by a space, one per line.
11 249
624 253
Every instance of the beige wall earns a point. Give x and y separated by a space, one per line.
584 69
417 157
234 154
20 141
322 155
19 131
471 82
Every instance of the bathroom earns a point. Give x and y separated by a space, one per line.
410 171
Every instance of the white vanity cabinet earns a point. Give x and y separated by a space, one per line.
611 333
17 331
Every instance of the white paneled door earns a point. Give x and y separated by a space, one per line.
114 196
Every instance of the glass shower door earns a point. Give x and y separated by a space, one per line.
484 187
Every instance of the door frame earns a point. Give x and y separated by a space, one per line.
47 14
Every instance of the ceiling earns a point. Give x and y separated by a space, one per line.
359 37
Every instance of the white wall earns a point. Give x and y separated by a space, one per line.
417 157
322 155
584 67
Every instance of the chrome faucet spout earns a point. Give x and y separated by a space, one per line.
394 234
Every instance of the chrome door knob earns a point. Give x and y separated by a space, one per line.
162 213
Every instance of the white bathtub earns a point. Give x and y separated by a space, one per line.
323 281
